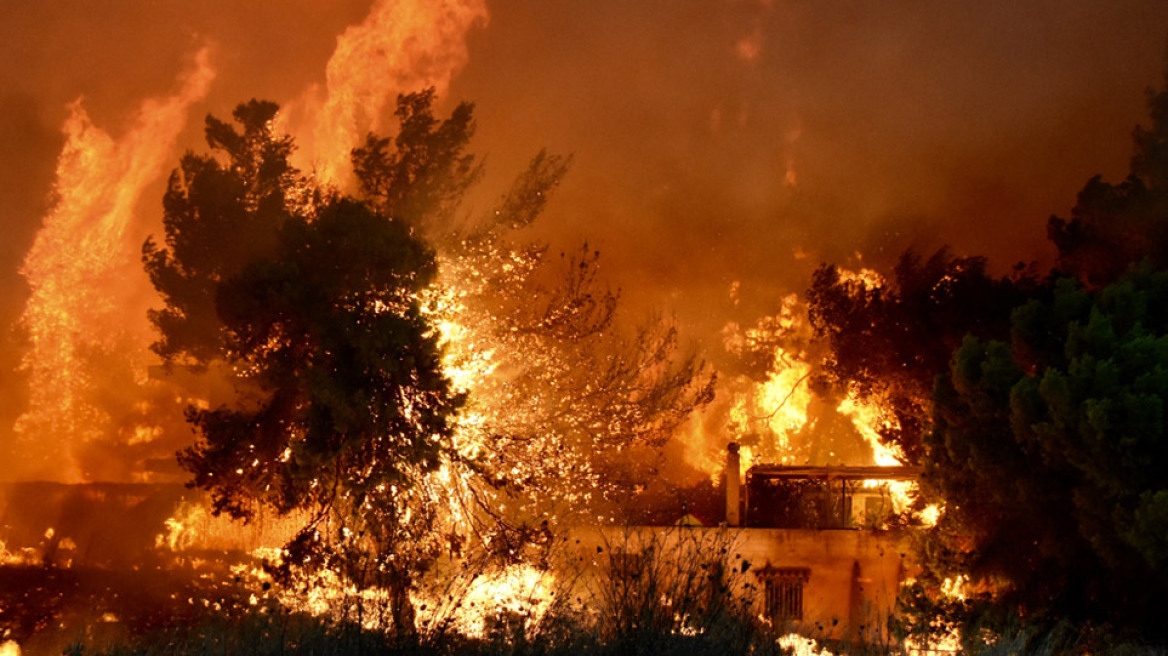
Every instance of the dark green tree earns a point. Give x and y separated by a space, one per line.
1049 453
311 302
219 216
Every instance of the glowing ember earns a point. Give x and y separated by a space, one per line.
931 514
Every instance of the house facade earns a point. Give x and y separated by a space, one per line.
807 549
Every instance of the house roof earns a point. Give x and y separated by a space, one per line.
863 473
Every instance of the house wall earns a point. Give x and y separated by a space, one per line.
851 590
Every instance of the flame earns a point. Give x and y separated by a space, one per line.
869 419
26 556
182 528
776 417
950 643
78 262
956 587
768 415
931 514
519 590
9 648
503 426
867 278
797 645
776 409
402 46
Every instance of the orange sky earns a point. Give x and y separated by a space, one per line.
714 141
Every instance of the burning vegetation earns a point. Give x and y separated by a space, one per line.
405 423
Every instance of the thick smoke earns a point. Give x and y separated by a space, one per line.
717 144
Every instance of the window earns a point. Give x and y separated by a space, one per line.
626 565
784 592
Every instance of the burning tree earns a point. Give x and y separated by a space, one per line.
889 342
353 347
312 302
560 394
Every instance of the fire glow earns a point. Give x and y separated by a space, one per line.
529 470
78 267
81 274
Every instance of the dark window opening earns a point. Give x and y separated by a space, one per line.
784 592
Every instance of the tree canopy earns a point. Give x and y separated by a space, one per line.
1113 226
890 340
339 320
311 300
1049 452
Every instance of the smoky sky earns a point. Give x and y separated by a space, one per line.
713 141
904 123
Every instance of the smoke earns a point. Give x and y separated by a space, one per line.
917 125
718 144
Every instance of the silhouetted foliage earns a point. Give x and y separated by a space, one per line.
218 217
311 302
574 392
891 341
422 174
1114 226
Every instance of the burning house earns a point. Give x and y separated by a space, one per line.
825 560
805 549
808 549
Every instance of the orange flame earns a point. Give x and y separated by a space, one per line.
403 46
775 417
80 258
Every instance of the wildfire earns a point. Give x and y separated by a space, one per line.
519 591
401 46
22 557
76 315
945 640
775 416
798 645
78 263
869 419
769 415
